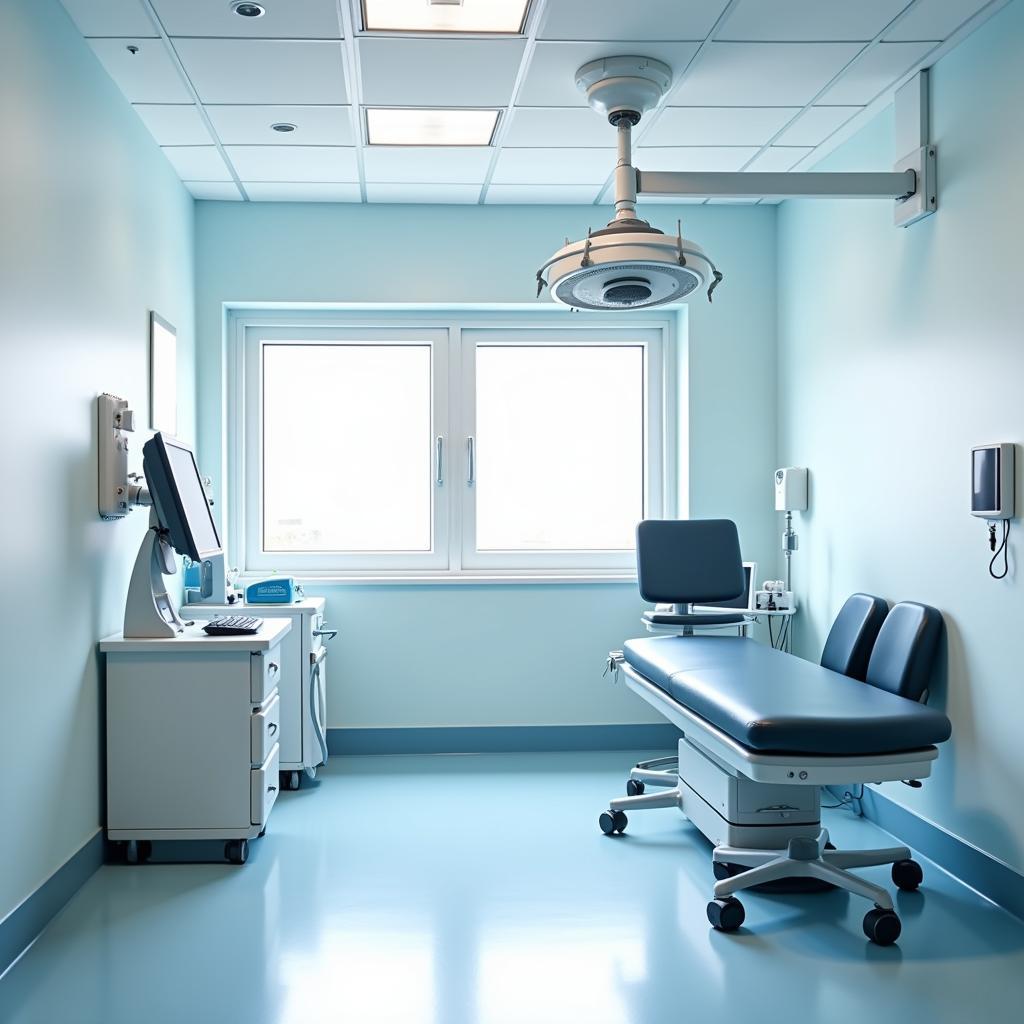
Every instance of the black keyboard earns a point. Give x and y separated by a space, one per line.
233 625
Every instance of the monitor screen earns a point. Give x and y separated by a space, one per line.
177 489
985 480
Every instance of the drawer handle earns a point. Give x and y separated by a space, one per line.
273 667
271 789
272 728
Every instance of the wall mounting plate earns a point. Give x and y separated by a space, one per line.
925 200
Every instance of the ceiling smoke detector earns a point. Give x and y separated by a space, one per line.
628 264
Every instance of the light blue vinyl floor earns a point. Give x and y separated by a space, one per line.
478 890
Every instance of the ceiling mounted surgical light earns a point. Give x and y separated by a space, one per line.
628 264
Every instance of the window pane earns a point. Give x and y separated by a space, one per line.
347 447
560 447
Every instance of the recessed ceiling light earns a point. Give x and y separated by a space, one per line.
417 126
503 16
248 10
283 126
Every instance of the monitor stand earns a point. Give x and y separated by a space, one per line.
149 611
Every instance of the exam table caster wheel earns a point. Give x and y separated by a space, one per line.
612 822
634 787
237 850
290 780
723 870
726 914
907 875
882 927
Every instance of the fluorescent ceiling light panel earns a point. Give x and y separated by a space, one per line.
505 16
422 127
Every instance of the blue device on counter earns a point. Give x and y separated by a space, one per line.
276 590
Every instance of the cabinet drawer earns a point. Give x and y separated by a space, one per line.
265 729
263 786
265 673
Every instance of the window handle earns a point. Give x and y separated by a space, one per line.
471 458
439 459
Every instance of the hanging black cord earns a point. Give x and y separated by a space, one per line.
1001 550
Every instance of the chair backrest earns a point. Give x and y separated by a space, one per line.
904 652
852 636
745 602
689 561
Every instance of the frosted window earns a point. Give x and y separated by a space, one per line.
347 447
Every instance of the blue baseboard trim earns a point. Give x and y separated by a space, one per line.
503 739
20 928
988 875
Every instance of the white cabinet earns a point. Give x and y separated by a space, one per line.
192 736
302 683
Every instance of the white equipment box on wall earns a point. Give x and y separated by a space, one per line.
303 683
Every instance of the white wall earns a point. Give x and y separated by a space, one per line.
95 231
898 351
512 654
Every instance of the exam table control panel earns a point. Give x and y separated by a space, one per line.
193 729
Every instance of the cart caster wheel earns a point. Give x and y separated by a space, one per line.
263 832
907 875
236 850
290 780
310 773
727 914
882 927
612 822
722 870
145 850
634 787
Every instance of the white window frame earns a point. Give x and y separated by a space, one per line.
651 342
261 561
450 332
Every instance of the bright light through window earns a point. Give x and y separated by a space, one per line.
425 16
560 447
347 447
421 127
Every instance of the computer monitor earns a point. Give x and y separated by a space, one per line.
178 497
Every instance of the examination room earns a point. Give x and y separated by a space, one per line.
521 511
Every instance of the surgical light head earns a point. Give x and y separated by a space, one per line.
628 264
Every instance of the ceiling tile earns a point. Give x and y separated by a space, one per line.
765 74
197 163
550 80
779 158
173 124
250 125
717 126
391 192
809 20
263 70
294 163
541 194
459 165
815 125
302 192
616 21
554 166
693 158
146 76
110 17
934 19
557 126
213 190
296 19
875 71
438 72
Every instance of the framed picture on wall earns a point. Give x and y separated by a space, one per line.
163 375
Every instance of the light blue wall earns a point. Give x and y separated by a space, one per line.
513 654
95 230
898 351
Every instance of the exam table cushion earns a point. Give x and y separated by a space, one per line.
771 701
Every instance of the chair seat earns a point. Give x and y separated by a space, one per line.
693 619
771 701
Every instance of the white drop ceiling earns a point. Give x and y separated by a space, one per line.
761 85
